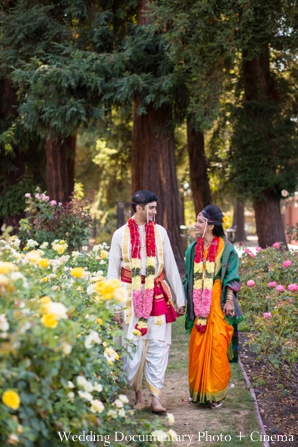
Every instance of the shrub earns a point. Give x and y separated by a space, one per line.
60 368
48 220
269 300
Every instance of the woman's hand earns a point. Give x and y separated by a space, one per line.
229 308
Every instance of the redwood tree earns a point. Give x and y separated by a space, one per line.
199 181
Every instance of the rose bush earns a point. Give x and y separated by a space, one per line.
60 368
48 220
269 299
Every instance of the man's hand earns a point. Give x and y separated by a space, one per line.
180 311
119 319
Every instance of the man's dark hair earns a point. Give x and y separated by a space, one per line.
142 197
214 216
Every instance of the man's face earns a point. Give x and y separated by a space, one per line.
150 209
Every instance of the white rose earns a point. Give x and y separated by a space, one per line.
70 384
120 295
112 414
172 434
66 348
123 398
71 395
97 387
159 435
97 406
121 413
93 337
85 395
4 325
57 309
81 381
118 403
90 289
171 418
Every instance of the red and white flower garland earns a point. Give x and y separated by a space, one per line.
203 281
142 299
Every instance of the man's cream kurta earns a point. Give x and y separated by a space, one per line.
158 330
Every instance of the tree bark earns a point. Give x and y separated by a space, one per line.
259 86
240 234
199 181
60 168
268 221
154 169
15 160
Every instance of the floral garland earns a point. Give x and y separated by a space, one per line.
203 281
142 300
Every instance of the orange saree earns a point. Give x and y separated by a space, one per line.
208 368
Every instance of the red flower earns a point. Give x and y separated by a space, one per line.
201 328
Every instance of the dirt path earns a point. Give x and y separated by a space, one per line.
196 426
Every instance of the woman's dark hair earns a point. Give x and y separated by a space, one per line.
143 197
214 216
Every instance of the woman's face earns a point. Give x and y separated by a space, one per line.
200 224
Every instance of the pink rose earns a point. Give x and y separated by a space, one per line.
267 315
27 194
53 202
37 196
286 264
45 198
280 288
272 284
252 255
250 283
276 245
247 250
259 249
292 287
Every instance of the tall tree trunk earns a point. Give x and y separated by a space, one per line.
60 168
259 86
268 221
239 222
15 160
199 181
154 169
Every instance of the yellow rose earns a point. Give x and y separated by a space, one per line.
49 320
43 263
33 256
11 399
103 254
77 272
45 299
45 279
99 321
107 288
61 249
6 267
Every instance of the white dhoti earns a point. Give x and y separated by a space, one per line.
151 358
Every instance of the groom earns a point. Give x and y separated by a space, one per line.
141 255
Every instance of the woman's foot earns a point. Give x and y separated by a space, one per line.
214 405
140 401
156 406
